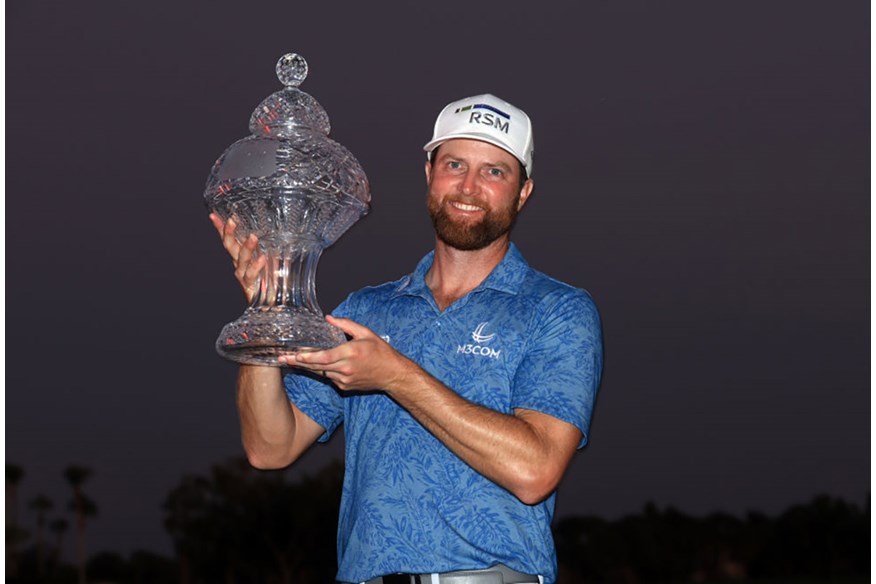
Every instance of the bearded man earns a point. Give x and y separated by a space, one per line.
465 389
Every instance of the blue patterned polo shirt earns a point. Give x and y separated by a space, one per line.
519 340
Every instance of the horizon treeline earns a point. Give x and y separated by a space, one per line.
236 524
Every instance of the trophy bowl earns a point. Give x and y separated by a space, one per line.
298 191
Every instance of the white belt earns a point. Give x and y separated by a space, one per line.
499 574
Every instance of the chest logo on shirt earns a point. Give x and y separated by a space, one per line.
478 335
480 340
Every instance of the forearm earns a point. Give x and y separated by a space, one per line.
526 452
513 450
266 417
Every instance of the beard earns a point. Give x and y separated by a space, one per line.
471 235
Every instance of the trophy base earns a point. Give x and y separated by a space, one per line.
263 334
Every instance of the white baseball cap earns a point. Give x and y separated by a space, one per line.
489 119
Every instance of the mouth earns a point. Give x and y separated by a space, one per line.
465 207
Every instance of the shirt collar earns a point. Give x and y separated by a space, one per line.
507 276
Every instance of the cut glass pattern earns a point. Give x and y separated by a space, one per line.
298 191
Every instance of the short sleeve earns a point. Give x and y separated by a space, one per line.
561 371
313 395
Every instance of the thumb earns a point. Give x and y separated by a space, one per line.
351 327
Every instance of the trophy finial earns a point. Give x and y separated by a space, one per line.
291 69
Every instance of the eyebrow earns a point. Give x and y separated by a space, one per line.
498 163
501 165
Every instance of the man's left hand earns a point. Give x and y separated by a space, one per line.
366 362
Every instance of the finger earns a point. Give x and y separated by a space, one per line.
314 368
218 223
254 269
351 327
248 249
241 256
230 227
318 360
229 239
230 242
291 360
248 273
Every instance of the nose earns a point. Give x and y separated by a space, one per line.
469 183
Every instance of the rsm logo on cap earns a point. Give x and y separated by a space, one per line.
487 118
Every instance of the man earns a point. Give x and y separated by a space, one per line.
464 391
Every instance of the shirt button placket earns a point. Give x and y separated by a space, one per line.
431 340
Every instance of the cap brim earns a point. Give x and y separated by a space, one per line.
430 146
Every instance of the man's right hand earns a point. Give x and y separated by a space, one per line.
248 262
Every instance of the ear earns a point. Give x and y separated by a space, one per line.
428 172
525 191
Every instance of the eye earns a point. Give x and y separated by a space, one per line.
496 172
454 165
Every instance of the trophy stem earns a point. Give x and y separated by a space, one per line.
284 316
289 278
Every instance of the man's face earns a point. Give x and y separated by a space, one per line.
474 193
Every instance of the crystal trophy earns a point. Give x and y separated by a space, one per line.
298 191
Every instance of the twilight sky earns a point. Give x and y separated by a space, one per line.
701 168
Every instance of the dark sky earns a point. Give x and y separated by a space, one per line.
702 168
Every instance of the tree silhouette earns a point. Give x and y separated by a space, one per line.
236 524
825 540
14 474
14 534
41 504
243 525
59 527
76 475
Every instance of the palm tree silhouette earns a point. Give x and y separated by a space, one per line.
14 474
41 504
83 507
14 535
59 527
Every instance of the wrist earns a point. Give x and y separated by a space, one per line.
406 377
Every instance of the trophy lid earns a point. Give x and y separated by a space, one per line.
288 112
288 154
